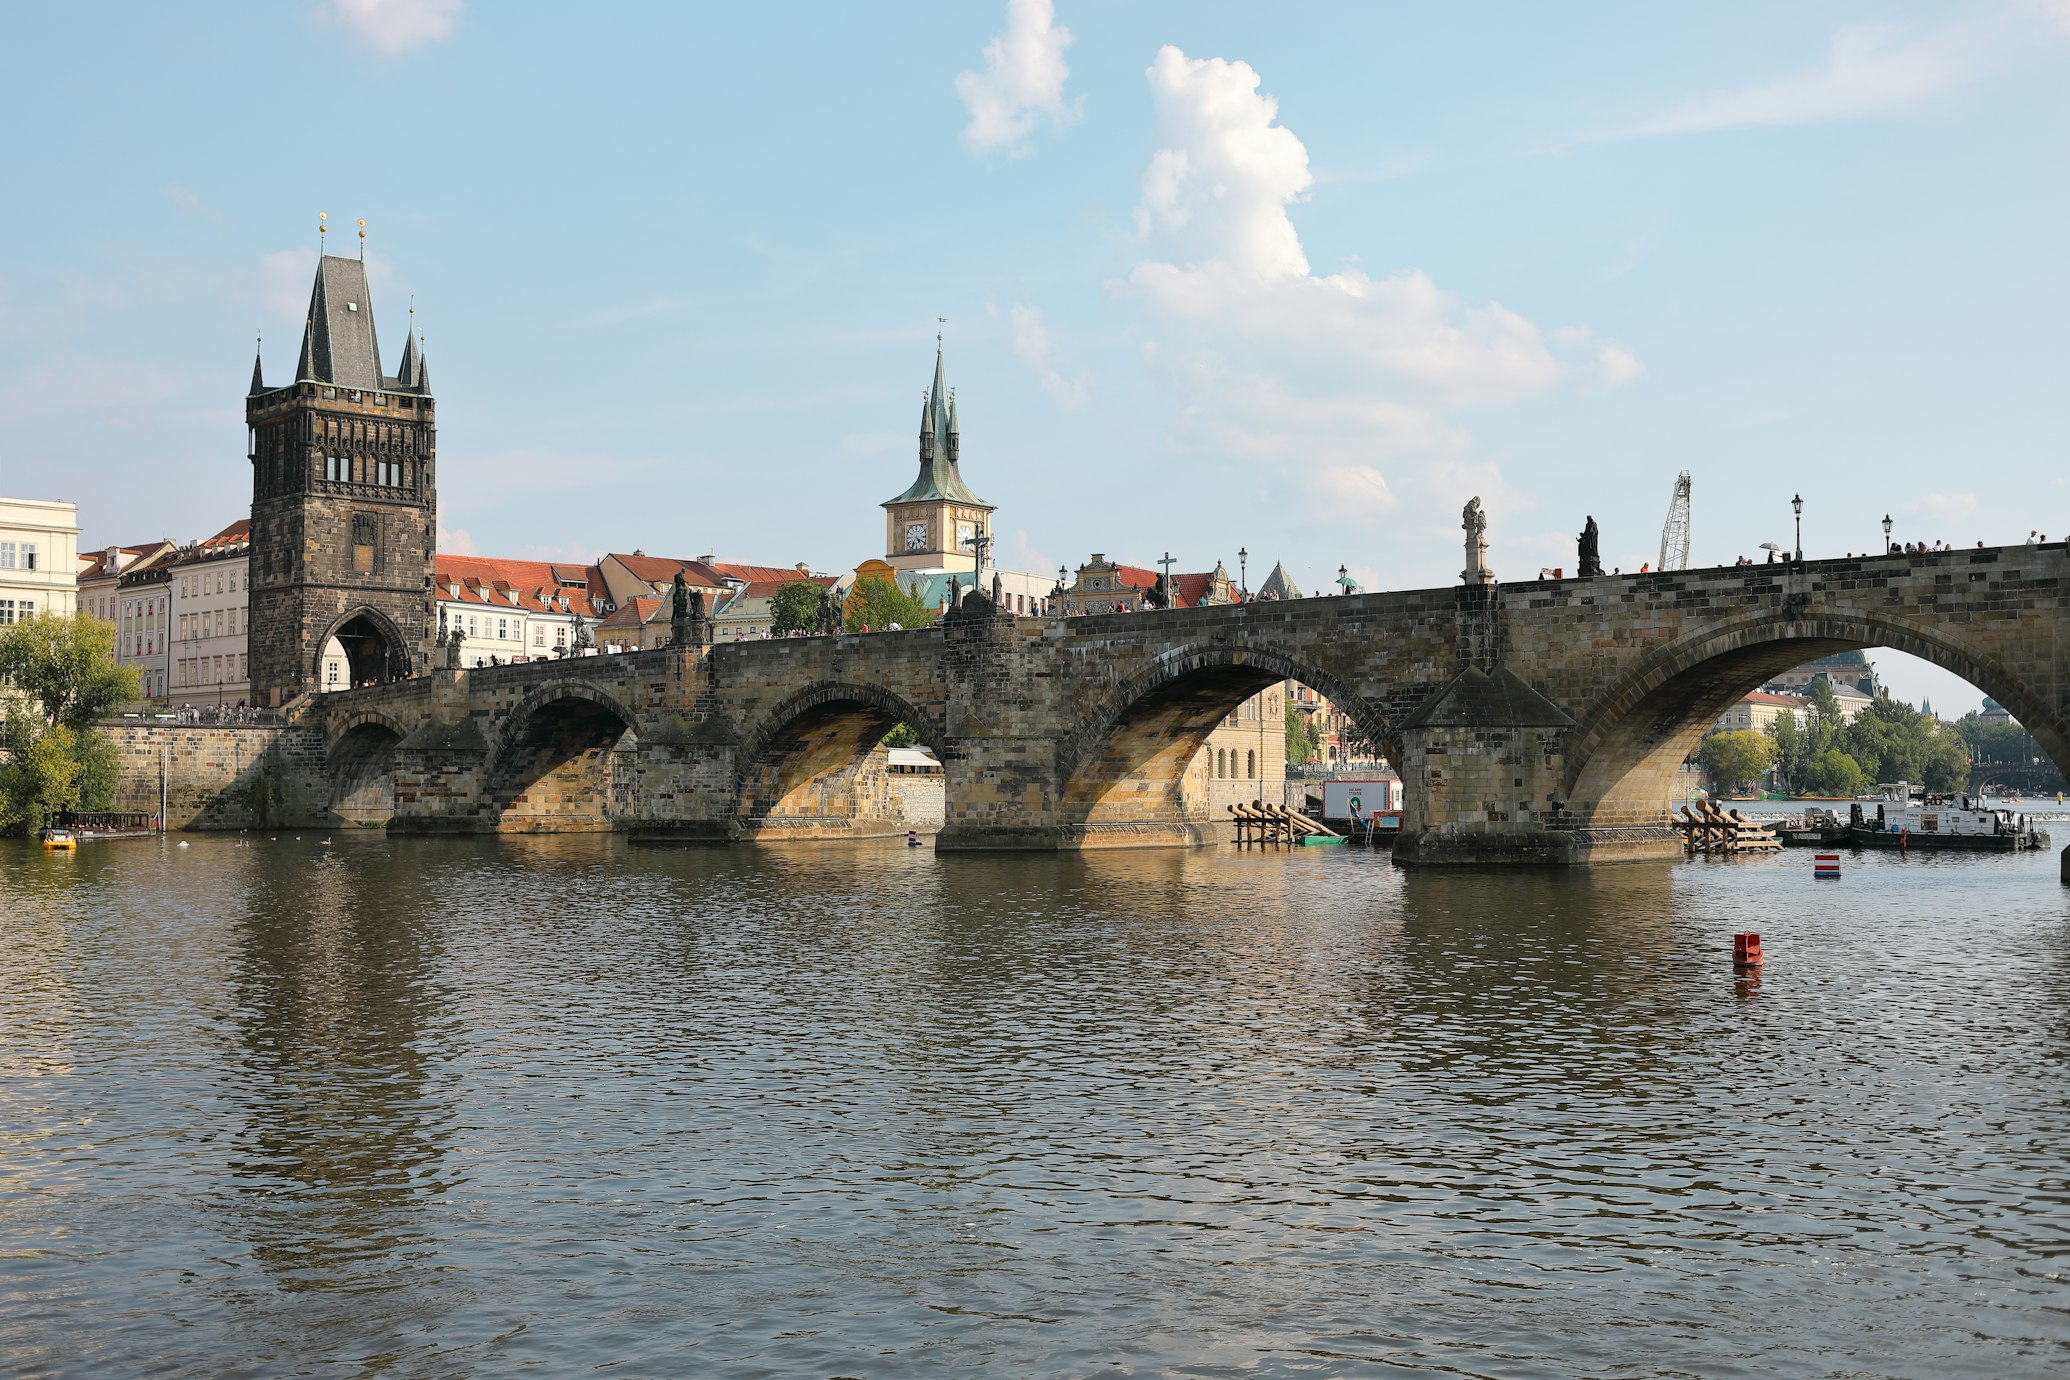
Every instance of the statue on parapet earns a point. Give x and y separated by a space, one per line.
1475 523
441 626
998 591
825 619
1588 556
453 643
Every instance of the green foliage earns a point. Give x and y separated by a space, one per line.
56 758
794 608
1735 760
41 773
901 736
66 664
877 603
1833 772
1301 744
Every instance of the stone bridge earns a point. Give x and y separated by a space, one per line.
1535 722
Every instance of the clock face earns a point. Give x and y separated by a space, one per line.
966 536
916 535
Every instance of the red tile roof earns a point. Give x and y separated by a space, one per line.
1764 697
1192 588
485 580
633 613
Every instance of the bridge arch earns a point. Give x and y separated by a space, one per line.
1124 763
1628 743
359 766
556 765
374 649
808 767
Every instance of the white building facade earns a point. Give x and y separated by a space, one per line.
143 610
39 558
209 601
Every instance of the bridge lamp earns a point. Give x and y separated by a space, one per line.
1242 578
1797 505
1886 534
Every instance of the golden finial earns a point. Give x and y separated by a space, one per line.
362 239
321 231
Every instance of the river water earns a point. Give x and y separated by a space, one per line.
413 1107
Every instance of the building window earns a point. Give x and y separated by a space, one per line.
1253 762
8 555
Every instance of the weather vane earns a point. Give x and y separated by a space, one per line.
321 231
362 240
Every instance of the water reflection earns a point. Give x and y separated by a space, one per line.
342 1123
441 1106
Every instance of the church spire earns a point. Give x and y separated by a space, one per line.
258 376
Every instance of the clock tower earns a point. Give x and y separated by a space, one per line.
935 523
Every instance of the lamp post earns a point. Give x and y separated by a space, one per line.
1797 506
1886 534
1243 585
1061 573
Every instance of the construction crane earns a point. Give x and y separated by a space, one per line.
1674 534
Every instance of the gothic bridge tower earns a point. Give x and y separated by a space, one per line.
344 504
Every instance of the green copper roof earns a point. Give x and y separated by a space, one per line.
939 477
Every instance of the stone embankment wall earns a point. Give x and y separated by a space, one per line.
222 776
917 801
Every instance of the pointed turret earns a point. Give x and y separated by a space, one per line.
927 428
955 432
406 372
258 375
423 372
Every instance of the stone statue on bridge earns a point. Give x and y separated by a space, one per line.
1475 522
1588 559
441 640
825 625
679 629
453 642
998 591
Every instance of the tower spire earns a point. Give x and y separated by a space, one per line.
258 358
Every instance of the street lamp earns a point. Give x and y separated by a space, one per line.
1797 504
1343 579
1061 574
1886 534
1243 588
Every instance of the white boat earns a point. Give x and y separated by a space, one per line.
1904 819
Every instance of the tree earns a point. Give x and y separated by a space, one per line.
66 664
795 607
901 735
55 755
1833 773
877 603
1300 738
1735 760
1792 750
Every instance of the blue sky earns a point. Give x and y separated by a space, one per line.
1300 279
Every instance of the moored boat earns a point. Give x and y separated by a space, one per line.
1940 821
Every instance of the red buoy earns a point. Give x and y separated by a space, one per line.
1746 950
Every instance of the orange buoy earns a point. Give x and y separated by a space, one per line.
1746 950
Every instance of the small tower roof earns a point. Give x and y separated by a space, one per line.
1278 585
939 478
258 374
406 372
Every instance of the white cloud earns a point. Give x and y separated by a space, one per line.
1023 80
456 541
189 202
1031 343
396 26
1871 70
2057 12
1025 558
1348 380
